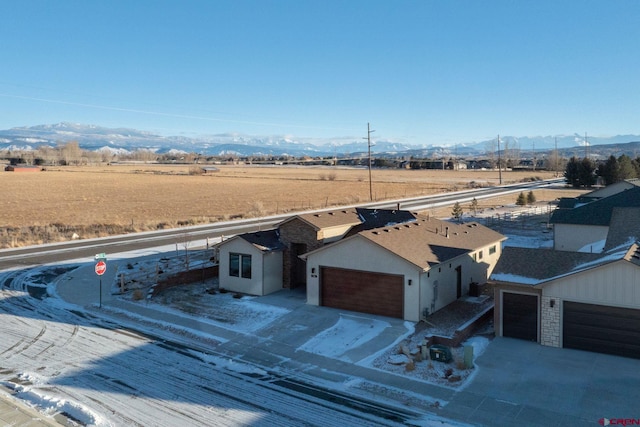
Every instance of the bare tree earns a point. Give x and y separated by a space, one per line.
71 153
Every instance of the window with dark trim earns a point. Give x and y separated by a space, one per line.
240 265
492 250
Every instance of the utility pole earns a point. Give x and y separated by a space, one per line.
499 161
534 156
555 161
369 132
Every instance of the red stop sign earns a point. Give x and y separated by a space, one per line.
101 267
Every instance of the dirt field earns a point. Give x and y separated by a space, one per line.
121 198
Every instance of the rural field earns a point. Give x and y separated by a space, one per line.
52 205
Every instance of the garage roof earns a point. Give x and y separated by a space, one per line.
534 266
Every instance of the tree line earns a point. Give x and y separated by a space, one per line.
585 172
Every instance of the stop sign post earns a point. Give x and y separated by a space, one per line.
100 269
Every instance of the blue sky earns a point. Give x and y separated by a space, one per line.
421 72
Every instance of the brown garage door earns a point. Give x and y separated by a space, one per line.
520 316
363 291
602 329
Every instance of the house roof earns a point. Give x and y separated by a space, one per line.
624 227
429 241
328 219
534 266
265 241
597 212
376 218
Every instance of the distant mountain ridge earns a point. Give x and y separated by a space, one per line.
123 140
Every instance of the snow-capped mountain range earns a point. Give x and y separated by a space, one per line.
121 140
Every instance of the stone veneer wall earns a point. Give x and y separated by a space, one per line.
296 231
550 322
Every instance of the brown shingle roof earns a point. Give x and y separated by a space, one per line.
335 218
429 241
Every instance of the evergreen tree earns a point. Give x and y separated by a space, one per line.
474 206
571 174
609 170
457 211
531 198
522 199
625 168
586 172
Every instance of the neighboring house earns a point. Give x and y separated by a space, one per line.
251 263
307 232
407 270
586 227
569 299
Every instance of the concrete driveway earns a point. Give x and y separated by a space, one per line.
524 383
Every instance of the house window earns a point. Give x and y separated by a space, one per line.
492 250
480 255
240 265
474 256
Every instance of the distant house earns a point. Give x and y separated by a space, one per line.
407 270
209 169
20 168
570 299
251 263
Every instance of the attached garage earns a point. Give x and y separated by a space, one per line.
602 329
520 316
362 291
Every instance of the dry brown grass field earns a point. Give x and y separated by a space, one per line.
101 200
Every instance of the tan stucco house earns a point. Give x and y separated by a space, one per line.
407 270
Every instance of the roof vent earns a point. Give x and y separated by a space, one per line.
331 213
316 215
397 228
376 232
386 230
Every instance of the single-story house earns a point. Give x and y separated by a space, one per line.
406 270
251 263
570 299
586 227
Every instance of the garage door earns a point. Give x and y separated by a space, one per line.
362 291
602 329
520 316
